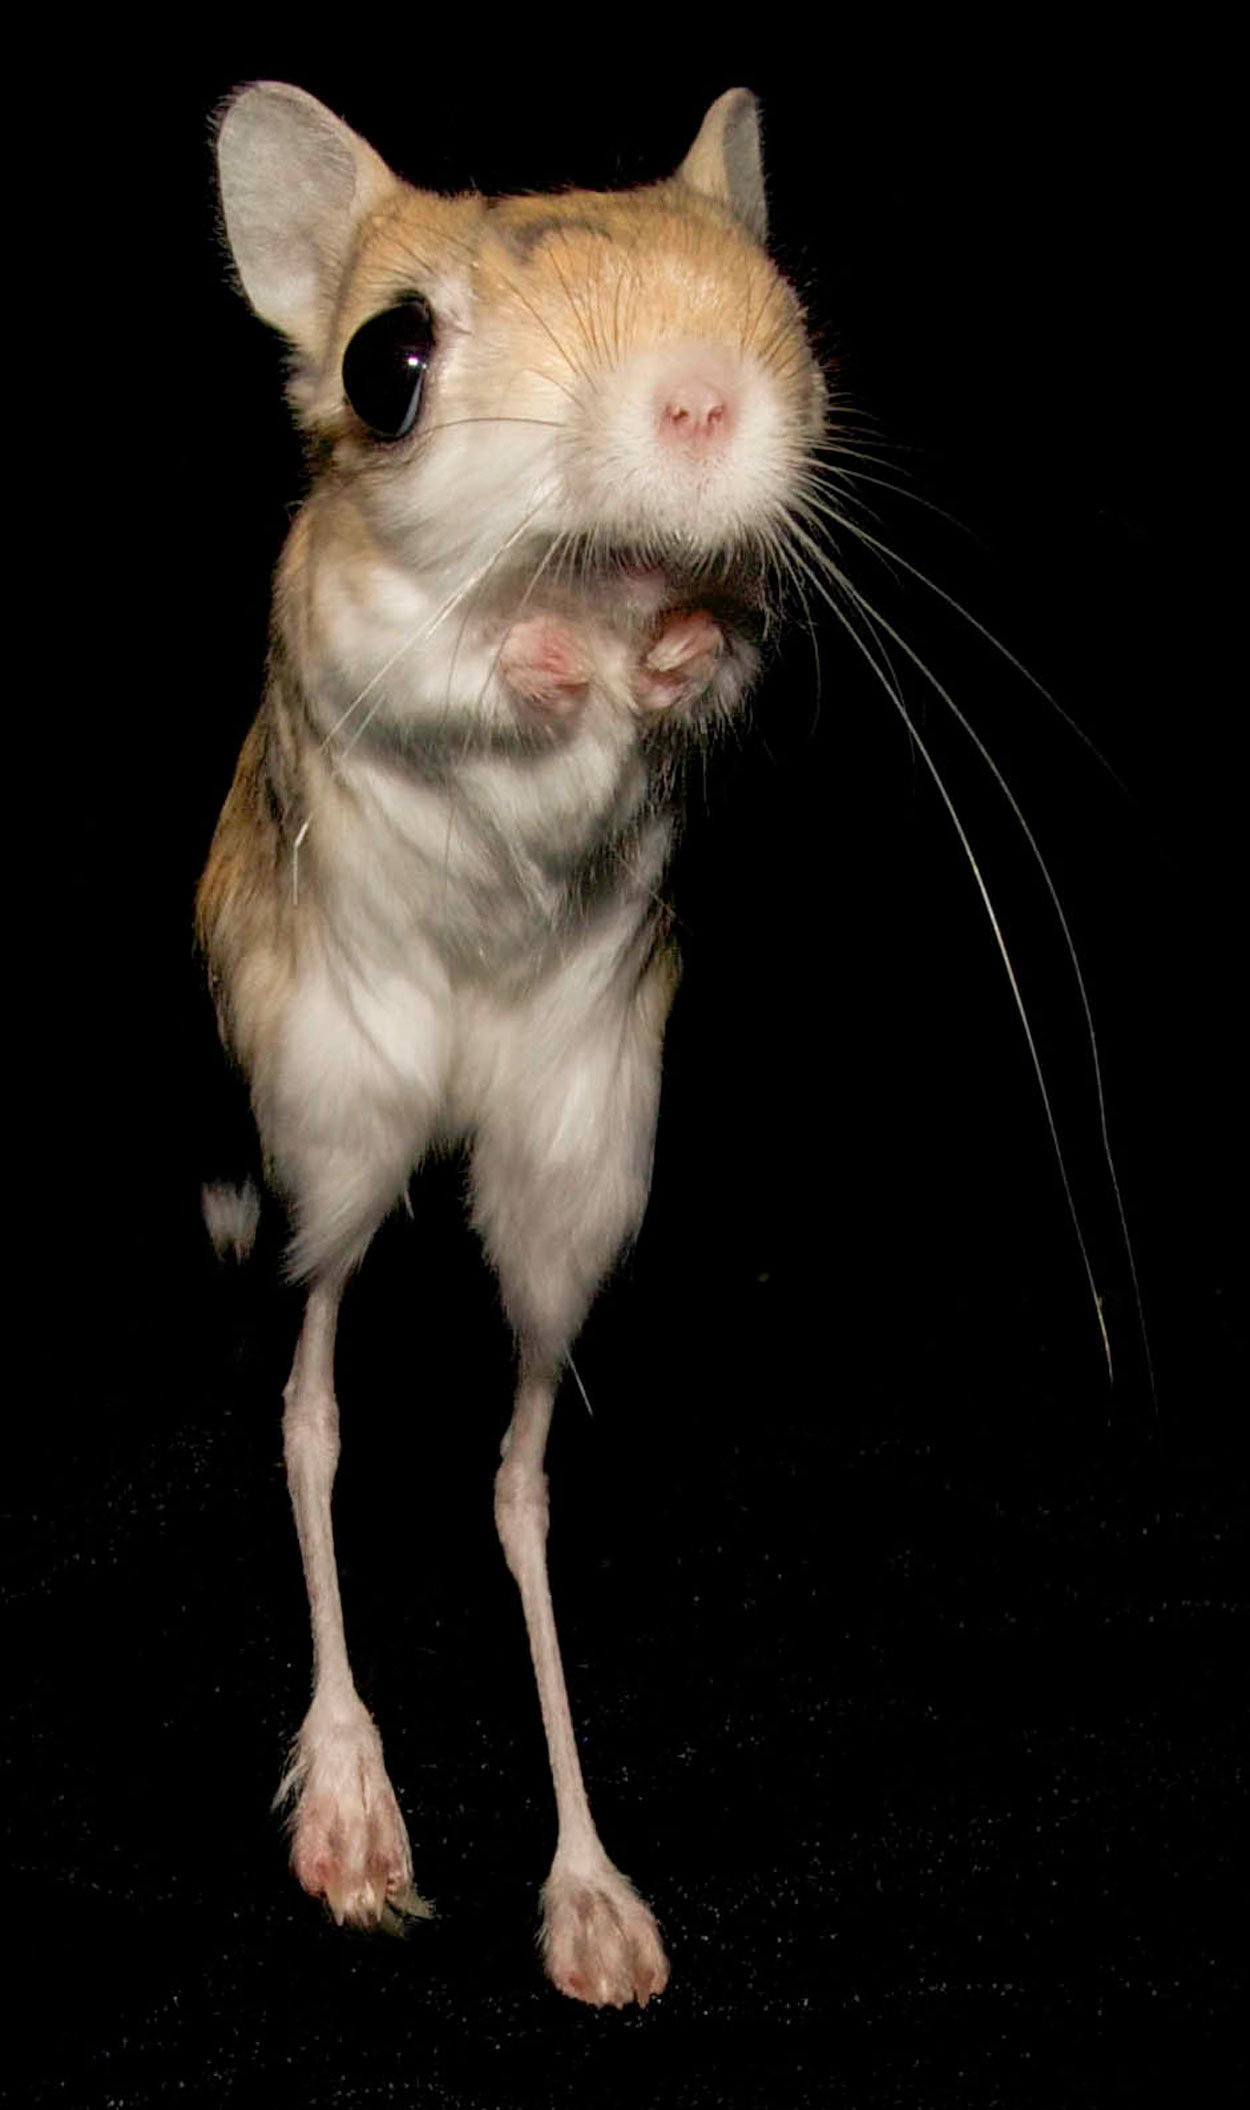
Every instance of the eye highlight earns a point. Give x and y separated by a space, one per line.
384 366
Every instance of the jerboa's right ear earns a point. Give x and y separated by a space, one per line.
295 182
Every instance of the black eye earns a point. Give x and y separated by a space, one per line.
384 366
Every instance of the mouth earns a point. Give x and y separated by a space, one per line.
642 586
730 585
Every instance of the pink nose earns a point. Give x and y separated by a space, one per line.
695 412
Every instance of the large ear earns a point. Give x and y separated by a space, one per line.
724 162
295 182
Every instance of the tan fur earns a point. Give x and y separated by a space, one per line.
627 270
433 909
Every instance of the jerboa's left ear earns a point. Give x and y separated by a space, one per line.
724 162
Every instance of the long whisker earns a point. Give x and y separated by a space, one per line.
892 692
822 471
887 554
791 573
494 417
555 546
427 630
1073 957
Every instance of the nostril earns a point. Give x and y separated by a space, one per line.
695 411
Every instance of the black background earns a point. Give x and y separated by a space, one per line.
904 1648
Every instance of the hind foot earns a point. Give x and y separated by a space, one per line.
348 1842
600 1942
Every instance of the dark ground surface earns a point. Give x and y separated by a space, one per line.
908 1660
917 1713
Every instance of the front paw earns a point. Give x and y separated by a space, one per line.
546 666
681 662
348 1841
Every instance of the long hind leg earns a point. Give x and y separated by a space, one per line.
357 1090
600 1941
348 1841
560 1179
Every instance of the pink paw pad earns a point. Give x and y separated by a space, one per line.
546 665
680 662
359 1869
348 1841
600 1941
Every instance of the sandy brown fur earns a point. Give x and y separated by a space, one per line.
246 911
535 565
